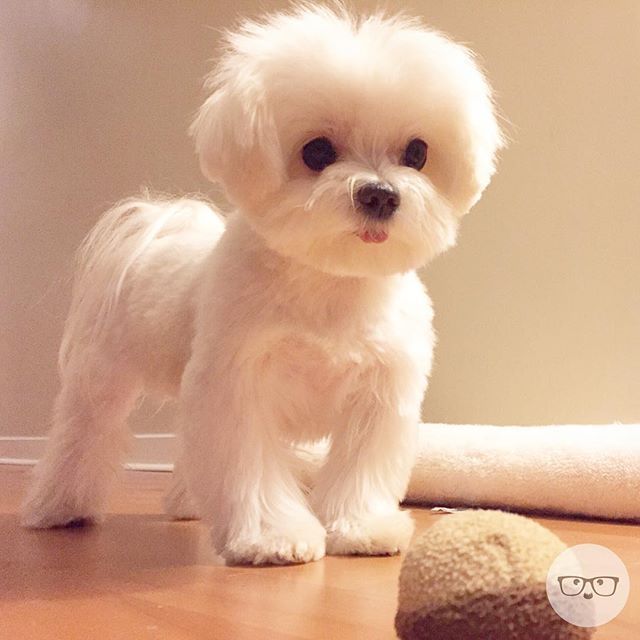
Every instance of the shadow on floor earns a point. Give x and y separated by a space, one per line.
126 552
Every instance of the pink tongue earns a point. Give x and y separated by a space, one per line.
373 236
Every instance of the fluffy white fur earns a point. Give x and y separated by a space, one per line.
280 325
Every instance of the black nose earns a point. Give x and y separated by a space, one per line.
378 200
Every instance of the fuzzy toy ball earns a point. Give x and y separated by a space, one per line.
481 575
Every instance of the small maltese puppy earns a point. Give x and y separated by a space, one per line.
350 149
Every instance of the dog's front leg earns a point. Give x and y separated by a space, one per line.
239 470
366 474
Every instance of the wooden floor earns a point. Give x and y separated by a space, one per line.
139 576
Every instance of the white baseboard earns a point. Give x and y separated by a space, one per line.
148 452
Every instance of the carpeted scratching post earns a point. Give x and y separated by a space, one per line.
584 470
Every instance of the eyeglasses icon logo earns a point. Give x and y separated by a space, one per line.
588 585
603 586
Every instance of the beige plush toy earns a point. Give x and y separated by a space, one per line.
481 575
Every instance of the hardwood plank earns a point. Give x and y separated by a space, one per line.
142 576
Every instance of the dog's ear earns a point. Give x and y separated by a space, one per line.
484 141
464 118
235 133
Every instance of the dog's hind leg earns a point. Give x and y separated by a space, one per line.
178 502
85 444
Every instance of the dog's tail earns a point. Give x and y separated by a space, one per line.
105 258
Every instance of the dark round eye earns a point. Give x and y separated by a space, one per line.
319 153
415 155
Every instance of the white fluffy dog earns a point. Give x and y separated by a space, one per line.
350 149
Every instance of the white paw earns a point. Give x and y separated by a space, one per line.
39 513
371 535
179 505
278 546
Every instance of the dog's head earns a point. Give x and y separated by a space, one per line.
352 145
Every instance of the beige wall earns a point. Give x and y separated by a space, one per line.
538 308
